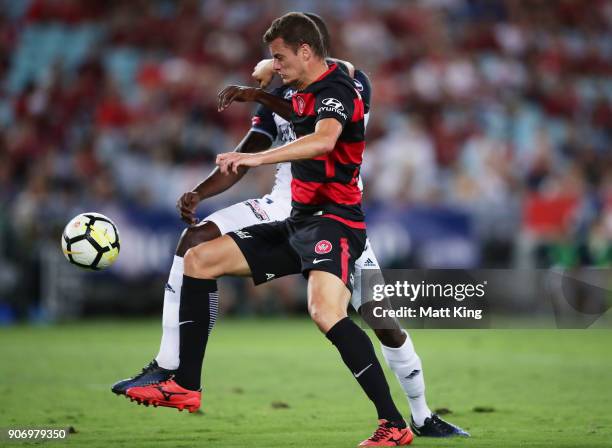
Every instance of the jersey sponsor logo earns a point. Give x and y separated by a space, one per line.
242 234
333 103
331 109
301 104
259 212
323 247
358 85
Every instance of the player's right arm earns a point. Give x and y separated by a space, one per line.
216 182
331 118
320 142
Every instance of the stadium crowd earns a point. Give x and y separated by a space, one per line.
501 108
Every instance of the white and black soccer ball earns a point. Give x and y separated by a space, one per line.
91 241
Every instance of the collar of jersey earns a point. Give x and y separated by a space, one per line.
329 70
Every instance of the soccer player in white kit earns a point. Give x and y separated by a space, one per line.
270 128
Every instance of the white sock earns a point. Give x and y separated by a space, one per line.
168 356
407 367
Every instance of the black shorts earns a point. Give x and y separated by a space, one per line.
296 245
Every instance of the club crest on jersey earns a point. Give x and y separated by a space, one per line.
300 104
323 247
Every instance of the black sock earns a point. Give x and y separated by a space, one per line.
197 315
359 356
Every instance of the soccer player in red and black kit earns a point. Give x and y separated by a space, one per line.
324 235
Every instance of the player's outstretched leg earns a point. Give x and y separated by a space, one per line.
197 314
163 367
327 300
399 353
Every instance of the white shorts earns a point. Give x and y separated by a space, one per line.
267 209
249 213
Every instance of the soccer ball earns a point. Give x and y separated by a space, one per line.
91 241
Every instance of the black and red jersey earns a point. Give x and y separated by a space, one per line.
328 185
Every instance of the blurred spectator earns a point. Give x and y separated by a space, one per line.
500 107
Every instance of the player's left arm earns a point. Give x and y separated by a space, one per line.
241 94
263 74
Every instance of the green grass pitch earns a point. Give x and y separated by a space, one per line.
279 383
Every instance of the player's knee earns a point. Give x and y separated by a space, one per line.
390 337
324 313
315 312
200 262
191 262
192 236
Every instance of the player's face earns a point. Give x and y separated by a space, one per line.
288 65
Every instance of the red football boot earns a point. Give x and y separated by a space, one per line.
166 393
389 435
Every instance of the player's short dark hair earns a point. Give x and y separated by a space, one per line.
296 29
322 26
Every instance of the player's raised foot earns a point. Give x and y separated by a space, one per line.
166 393
434 426
389 434
151 373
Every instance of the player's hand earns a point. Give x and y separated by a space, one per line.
236 93
263 73
186 205
229 162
